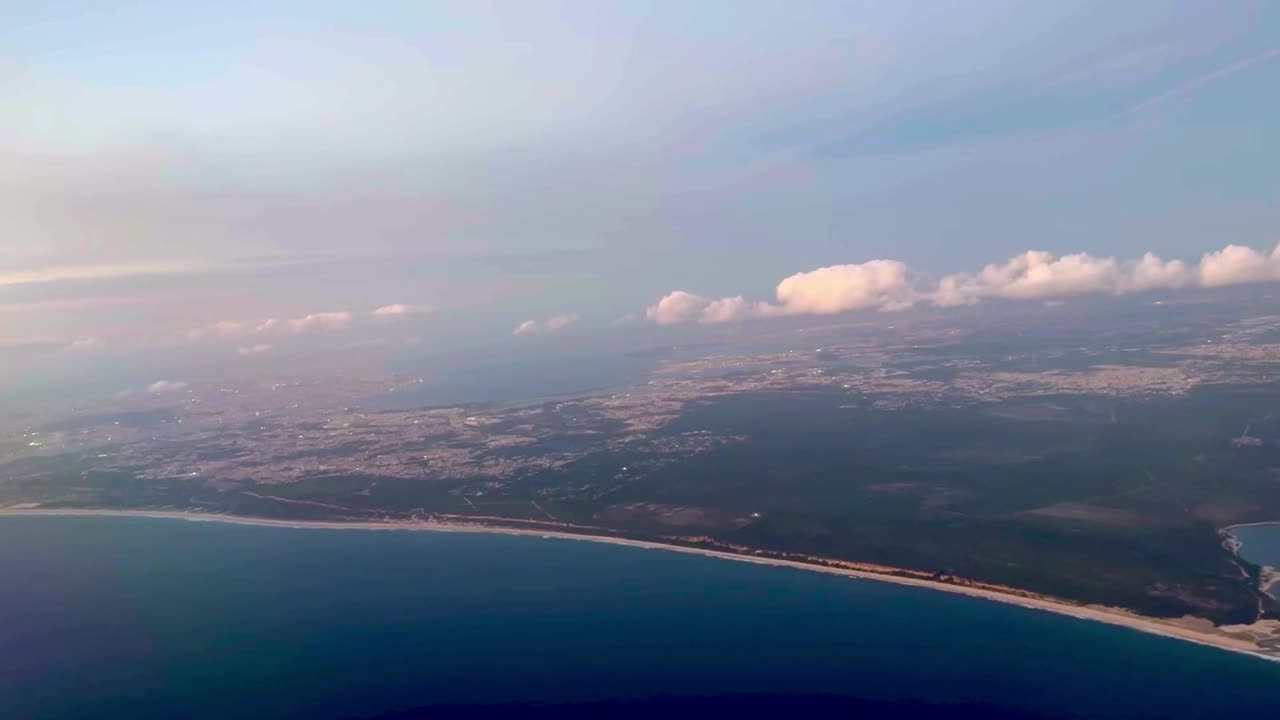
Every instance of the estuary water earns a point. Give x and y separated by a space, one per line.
104 617
1259 543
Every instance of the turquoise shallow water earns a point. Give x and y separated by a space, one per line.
133 617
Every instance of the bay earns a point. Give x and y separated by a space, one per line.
1260 544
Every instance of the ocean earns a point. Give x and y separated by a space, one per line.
120 617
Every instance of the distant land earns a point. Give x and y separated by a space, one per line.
1089 456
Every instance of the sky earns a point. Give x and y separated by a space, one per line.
232 181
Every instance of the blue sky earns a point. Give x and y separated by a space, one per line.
518 160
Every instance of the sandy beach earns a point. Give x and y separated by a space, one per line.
1261 639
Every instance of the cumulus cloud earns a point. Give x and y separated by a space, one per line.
881 284
555 323
1150 273
254 349
1037 274
729 309
677 307
399 310
166 386
1237 265
1032 275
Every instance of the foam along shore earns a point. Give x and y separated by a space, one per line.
1261 639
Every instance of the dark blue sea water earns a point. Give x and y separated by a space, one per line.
141 618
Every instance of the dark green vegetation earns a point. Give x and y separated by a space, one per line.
1055 495
1123 513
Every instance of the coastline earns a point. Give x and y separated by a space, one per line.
1244 639
1229 528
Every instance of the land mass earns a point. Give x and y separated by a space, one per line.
1090 462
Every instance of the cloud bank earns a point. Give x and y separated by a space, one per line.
890 285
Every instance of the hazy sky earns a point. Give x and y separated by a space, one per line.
167 166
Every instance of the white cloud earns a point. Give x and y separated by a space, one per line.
1038 274
555 323
1150 273
320 322
399 310
729 309
1032 275
882 284
677 307
1237 265
166 386
86 344
254 349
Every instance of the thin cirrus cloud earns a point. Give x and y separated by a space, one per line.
1189 86
553 324
99 272
1033 275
